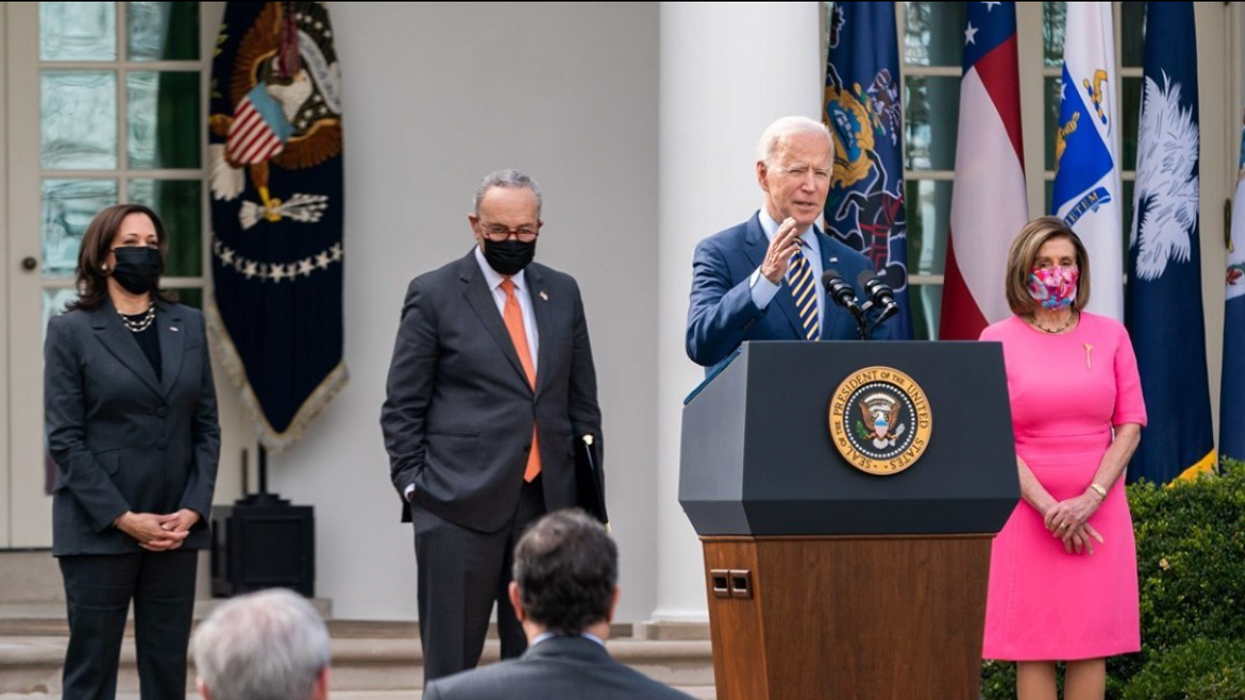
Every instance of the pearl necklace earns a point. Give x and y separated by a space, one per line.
141 324
1032 319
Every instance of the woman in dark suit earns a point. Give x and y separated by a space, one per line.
130 412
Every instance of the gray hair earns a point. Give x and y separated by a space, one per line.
506 179
784 127
269 645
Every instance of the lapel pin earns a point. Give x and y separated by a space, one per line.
172 329
543 296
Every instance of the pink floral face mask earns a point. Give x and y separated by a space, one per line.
1054 287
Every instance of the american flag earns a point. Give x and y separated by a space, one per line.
988 205
259 129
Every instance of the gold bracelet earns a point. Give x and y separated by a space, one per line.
1102 493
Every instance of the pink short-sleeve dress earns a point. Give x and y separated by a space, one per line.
1067 390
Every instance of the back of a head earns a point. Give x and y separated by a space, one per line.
269 645
566 567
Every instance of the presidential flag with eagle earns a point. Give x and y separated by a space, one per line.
275 152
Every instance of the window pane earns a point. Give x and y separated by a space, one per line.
68 207
1132 34
190 296
1130 113
79 120
163 120
54 301
179 204
931 122
929 212
163 31
1056 19
1052 92
77 31
934 33
926 301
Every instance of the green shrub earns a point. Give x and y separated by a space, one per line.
1191 569
1203 668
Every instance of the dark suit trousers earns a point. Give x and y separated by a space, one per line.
98 591
462 572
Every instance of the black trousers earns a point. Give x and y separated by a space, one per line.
98 591
461 573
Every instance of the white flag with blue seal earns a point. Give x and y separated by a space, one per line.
1087 191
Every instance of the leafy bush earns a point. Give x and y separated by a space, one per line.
1191 568
1213 669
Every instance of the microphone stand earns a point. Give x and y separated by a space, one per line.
887 311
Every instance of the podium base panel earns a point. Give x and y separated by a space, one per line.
847 618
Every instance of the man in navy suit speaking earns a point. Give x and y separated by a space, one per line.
761 279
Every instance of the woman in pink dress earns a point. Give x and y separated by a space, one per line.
1063 571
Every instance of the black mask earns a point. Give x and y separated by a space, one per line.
138 268
510 256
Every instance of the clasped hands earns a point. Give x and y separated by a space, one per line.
1069 521
155 532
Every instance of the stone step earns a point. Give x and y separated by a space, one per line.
698 692
32 664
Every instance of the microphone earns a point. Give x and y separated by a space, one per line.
841 292
880 294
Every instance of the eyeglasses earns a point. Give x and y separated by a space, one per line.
497 234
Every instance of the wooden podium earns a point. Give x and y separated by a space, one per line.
827 582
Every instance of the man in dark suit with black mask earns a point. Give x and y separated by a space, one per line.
491 383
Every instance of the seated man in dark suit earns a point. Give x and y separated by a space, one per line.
564 591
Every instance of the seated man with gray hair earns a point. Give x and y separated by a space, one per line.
564 592
268 645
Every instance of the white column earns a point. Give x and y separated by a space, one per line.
727 71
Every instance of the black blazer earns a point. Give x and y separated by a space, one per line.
561 668
121 439
458 414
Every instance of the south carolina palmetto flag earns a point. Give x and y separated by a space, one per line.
989 204
1087 168
1164 299
275 145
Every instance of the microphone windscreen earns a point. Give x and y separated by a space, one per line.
864 277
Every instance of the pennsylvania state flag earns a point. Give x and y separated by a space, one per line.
275 148
1163 300
865 208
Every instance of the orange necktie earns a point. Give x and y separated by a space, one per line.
513 316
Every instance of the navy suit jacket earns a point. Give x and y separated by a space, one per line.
560 668
722 314
121 438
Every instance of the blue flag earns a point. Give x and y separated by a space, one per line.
865 208
1232 388
275 144
1163 302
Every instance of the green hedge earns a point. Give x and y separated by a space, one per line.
1213 669
1191 567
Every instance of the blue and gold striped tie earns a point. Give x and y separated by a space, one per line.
804 291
